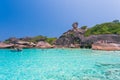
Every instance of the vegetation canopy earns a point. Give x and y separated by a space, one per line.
32 39
104 28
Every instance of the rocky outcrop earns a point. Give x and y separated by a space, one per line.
29 42
43 44
3 45
22 42
107 38
25 44
106 46
72 37
75 36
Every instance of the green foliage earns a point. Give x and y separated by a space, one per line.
84 27
105 28
71 34
33 39
10 40
6 41
38 38
51 40
43 38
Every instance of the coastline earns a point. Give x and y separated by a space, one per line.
60 49
73 38
95 46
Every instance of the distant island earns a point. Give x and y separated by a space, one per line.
105 36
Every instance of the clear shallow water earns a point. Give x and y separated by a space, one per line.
59 64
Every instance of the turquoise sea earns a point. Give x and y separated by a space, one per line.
59 64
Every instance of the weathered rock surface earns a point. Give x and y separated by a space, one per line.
25 44
106 46
3 45
107 38
43 44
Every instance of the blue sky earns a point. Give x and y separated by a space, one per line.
51 18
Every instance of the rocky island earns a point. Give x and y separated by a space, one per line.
100 37
105 36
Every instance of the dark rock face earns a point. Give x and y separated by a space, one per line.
109 38
106 38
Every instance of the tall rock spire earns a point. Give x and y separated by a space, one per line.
75 25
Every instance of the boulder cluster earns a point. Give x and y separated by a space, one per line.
25 44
